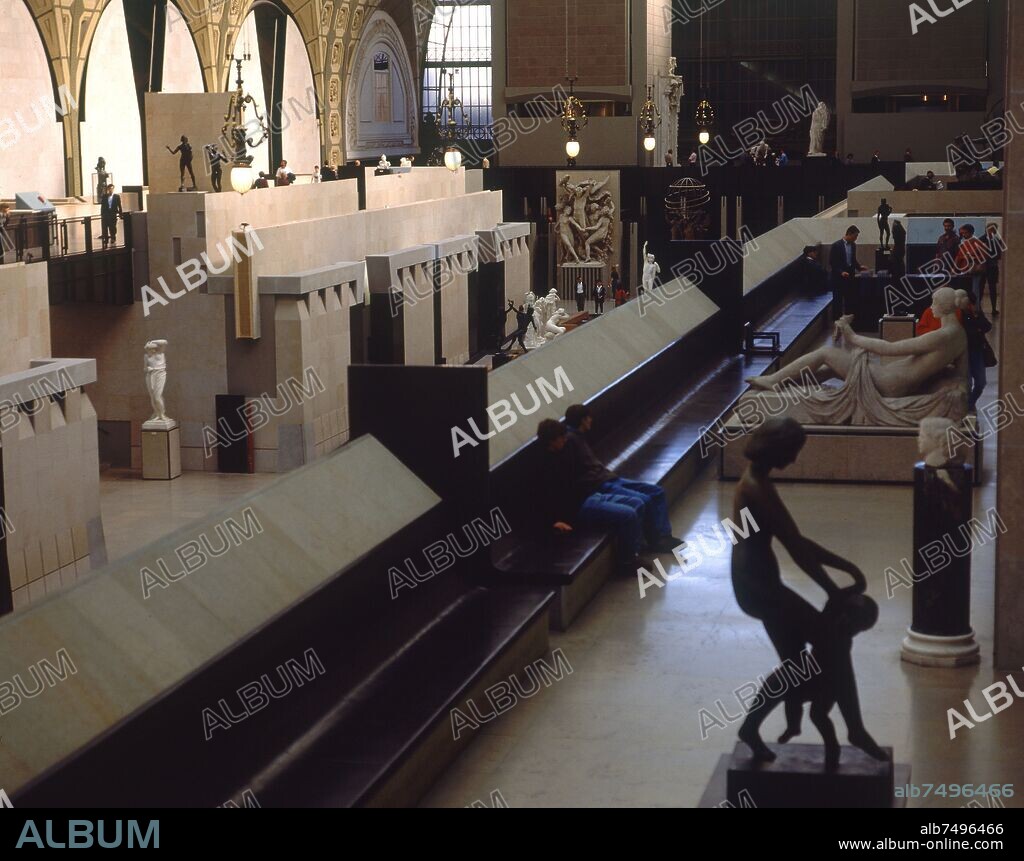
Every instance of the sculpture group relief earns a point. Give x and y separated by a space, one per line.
585 221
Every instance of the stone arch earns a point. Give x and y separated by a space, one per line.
31 138
367 137
177 27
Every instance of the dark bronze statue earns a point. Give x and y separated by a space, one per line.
184 162
884 234
216 158
791 622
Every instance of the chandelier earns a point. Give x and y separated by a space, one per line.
450 130
242 174
650 119
574 119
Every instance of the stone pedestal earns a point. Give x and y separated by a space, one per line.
797 778
161 450
940 634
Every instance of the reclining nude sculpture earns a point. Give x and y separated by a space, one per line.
928 379
790 621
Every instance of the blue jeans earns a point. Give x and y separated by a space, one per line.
619 514
979 375
655 508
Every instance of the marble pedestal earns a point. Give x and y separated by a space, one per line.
797 778
940 634
161 450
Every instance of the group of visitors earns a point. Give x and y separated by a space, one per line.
600 293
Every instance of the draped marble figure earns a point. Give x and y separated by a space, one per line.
927 379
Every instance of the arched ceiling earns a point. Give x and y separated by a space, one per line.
329 28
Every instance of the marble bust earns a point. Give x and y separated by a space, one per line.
155 365
933 442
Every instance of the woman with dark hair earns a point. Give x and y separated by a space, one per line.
790 621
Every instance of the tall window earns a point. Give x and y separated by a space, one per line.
382 88
460 42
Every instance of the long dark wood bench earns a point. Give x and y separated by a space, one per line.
373 729
648 426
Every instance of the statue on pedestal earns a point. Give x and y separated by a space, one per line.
383 164
790 621
102 177
929 379
884 233
651 271
820 120
216 158
155 365
940 633
184 162
671 98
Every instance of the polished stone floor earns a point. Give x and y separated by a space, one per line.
623 728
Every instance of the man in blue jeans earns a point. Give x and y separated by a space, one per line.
657 529
573 499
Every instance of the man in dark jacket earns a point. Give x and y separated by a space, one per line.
573 498
813 277
843 265
110 211
657 529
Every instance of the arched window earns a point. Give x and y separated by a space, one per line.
382 88
460 42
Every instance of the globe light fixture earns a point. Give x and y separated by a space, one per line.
574 118
705 119
242 175
453 159
650 119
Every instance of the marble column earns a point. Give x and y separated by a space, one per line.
1009 597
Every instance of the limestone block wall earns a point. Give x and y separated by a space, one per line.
51 532
454 274
300 228
24 316
311 332
421 183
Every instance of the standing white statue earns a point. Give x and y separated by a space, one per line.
651 270
155 364
384 164
671 87
820 120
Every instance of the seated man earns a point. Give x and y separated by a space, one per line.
657 529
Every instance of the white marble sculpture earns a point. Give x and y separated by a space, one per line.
541 313
927 379
651 271
820 120
155 365
383 164
670 94
553 327
933 442
585 221
405 162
